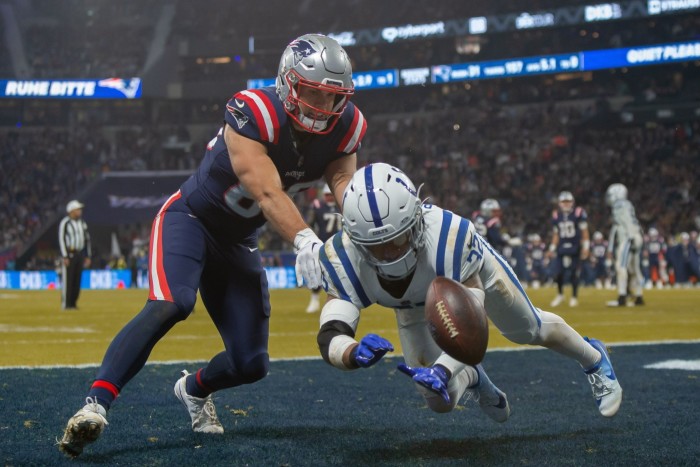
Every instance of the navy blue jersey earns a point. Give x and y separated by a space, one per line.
569 226
656 250
490 229
214 193
599 249
324 219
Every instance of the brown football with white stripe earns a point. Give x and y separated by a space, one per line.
457 321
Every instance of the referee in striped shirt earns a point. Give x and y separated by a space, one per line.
74 241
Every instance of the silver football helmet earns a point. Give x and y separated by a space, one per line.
319 62
488 207
382 216
616 192
566 201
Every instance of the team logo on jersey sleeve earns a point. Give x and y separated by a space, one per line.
237 114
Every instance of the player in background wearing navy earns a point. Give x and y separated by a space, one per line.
391 248
625 244
324 219
487 221
570 243
599 262
654 254
536 251
275 141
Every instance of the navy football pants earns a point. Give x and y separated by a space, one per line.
185 256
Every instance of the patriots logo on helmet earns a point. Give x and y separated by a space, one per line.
301 49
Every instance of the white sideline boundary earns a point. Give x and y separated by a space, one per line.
522 348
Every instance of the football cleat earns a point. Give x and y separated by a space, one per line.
573 301
202 410
606 389
557 301
493 401
621 302
639 301
83 428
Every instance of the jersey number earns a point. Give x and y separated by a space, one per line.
240 201
567 229
333 222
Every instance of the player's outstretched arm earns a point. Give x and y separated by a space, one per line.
336 337
258 176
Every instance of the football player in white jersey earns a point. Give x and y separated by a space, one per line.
391 248
625 245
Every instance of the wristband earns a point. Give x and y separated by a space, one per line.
336 350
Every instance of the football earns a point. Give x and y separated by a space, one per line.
457 320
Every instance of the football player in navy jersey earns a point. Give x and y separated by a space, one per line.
599 263
571 244
274 142
487 221
654 254
325 220
537 261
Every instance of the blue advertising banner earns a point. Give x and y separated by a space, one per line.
110 279
589 60
109 88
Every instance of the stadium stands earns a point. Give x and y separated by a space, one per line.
518 140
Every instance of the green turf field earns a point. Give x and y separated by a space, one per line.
34 331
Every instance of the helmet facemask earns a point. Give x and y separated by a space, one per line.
314 119
396 257
383 218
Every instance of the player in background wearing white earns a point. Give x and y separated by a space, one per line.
625 244
570 245
325 220
391 248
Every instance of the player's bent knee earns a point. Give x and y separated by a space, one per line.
185 298
522 336
162 312
435 402
438 405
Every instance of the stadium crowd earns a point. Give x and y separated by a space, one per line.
520 141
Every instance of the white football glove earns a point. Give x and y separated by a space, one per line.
308 268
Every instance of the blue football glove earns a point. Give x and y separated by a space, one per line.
433 378
371 349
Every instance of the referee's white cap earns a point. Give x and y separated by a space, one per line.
73 205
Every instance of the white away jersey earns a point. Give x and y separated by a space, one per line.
452 249
624 218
